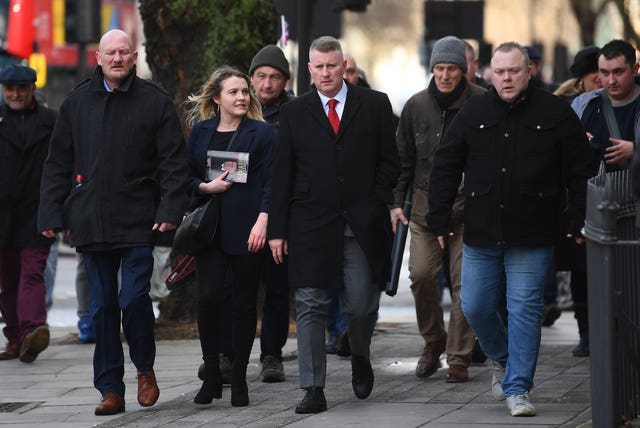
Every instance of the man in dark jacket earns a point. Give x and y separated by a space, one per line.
269 73
336 167
424 120
25 129
115 175
516 146
618 72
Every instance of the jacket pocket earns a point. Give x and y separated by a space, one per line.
478 212
481 139
539 209
539 138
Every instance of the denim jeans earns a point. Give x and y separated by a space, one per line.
515 346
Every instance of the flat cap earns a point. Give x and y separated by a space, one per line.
17 75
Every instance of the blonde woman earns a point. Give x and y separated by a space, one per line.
226 116
585 74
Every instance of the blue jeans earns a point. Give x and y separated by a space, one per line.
517 345
109 305
336 319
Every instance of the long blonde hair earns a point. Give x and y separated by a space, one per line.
570 88
202 106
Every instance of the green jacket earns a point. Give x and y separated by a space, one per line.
421 128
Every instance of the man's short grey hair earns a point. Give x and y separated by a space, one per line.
326 44
509 46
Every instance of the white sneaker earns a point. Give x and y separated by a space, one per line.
520 405
496 380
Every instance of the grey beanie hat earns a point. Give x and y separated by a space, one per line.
449 49
271 56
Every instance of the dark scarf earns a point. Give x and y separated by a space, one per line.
445 100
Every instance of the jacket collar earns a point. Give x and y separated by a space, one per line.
523 97
97 81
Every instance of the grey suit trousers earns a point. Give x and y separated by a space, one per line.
360 299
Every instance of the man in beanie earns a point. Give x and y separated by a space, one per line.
424 119
516 147
25 129
269 73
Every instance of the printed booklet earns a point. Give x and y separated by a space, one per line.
237 163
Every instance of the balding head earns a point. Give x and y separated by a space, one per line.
116 57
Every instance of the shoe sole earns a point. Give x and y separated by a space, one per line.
523 412
455 380
8 357
108 413
310 411
427 374
39 341
272 377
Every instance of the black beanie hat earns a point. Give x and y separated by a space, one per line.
271 56
585 62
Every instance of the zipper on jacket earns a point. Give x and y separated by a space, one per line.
443 117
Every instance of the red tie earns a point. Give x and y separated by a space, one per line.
334 120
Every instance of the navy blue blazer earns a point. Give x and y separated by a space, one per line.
242 202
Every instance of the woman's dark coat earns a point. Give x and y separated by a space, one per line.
242 202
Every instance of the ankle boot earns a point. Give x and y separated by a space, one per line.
582 316
239 389
212 384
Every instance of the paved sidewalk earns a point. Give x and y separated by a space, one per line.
58 392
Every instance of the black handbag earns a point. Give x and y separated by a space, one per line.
195 233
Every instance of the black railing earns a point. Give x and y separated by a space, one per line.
613 275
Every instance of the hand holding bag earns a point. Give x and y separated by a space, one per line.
195 233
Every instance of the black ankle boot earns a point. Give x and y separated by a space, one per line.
582 316
582 350
212 384
239 389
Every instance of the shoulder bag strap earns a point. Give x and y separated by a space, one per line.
607 109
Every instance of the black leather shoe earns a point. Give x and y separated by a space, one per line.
361 377
313 401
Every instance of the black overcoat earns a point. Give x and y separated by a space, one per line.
116 166
21 163
322 181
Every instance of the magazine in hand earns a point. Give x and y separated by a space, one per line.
237 163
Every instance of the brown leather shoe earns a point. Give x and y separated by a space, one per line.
429 361
11 351
148 391
457 374
110 404
34 343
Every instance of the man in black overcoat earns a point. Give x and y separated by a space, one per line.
335 170
114 177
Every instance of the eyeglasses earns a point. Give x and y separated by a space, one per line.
111 53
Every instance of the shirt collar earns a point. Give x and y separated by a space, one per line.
341 96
